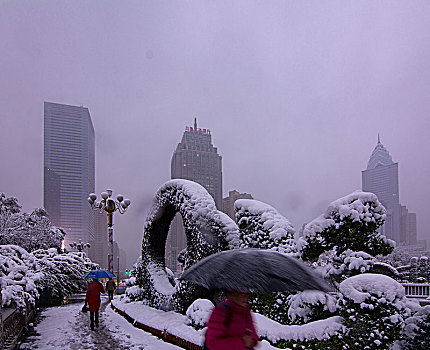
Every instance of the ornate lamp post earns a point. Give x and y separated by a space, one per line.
109 205
79 246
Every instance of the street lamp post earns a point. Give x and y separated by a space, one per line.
79 245
109 205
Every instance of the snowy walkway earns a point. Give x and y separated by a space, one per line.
66 327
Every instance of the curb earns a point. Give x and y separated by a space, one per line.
162 334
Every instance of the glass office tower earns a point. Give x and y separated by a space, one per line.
69 170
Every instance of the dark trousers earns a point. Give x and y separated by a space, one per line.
92 316
110 294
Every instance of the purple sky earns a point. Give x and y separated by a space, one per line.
294 93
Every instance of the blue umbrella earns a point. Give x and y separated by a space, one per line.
99 274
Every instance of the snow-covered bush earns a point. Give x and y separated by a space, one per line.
29 231
198 313
339 267
374 308
397 258
350 222
129 282
62 273
19 275
322 334
311 305
261 226
25 276
208 231
416 333
134 293
271 305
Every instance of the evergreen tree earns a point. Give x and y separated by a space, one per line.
351 222
29 231
262 226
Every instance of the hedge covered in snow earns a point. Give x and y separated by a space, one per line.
25 276
19 274
367 311
262 226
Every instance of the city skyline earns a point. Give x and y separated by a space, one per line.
294 94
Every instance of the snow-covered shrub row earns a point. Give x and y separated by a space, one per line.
371 308
261 226
63 273
351 223
25 276
198 313
29 231
19 273
207 230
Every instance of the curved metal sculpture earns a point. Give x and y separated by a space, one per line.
207 230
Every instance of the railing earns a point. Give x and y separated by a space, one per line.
13 324
417 290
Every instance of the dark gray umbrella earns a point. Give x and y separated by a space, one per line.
254 270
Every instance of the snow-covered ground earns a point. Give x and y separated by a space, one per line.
67 328
176 324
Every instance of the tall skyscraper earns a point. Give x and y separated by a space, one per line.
195 159
382 178
69 170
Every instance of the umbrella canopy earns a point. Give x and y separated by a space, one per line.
254 270
99 274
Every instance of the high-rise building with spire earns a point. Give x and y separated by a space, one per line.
195 159
382 178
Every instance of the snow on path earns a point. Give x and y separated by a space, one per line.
66 327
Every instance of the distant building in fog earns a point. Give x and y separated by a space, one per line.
119 256
228 202
195 159
382 178
408 226
69 170
99 246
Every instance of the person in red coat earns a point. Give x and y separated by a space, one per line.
93 300
230 326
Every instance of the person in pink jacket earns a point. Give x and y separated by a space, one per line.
230 326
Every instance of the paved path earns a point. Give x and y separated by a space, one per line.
66 327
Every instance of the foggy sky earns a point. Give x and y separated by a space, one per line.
294 93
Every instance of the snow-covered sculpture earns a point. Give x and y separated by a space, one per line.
207 230
262 226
